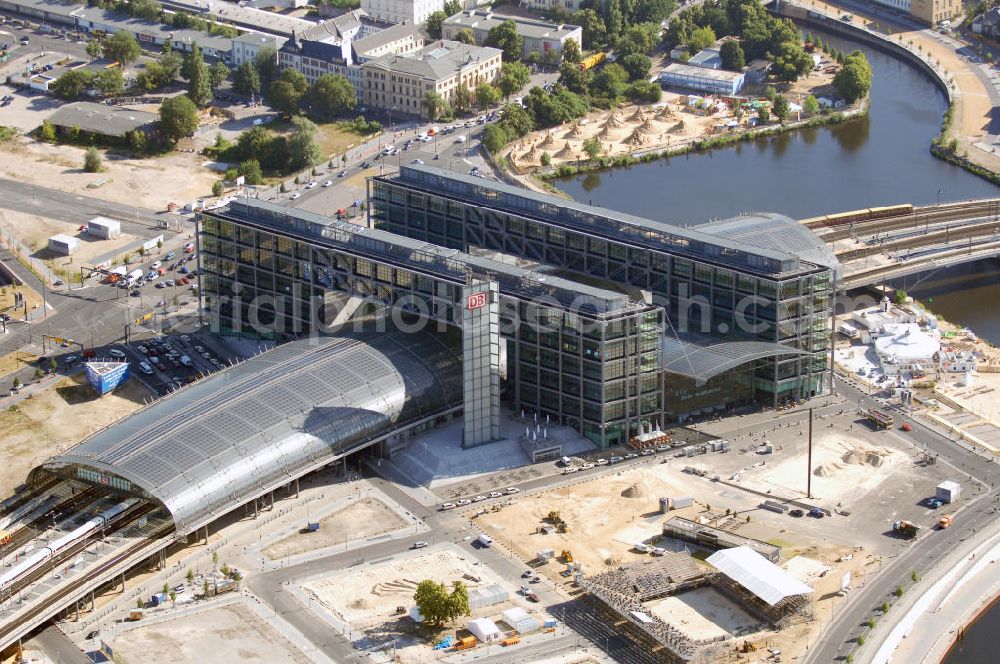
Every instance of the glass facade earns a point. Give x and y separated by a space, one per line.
713 291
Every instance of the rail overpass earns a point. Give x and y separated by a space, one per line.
877 245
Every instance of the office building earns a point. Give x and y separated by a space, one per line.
247 46
400 83
595 319
401 11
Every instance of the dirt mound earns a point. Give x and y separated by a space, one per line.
872 457
827 470
637 490
359 603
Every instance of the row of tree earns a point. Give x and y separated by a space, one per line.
513 76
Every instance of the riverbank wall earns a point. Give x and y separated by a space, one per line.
813 18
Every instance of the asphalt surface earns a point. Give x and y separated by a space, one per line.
58 647
974 517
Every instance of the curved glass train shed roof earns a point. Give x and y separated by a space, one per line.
222 441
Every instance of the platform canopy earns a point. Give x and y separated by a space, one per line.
757 574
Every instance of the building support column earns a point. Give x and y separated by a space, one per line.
296 487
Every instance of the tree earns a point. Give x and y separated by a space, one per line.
190 576
791 61
246 80
17 382
781 107
465 36
653 11
72 84
810 106
204 587
217 188
173 598
637 65
610 82
199 78
218 73
640 38
38 373
513 77
178 118
452 7
595 32
109 81
253 143
571 52
331 95
462 99
855 79
122 48
286 93
92 160
732 55
486 95
647 92
266 62
95 49
575 79
495 137
433 25
437 605
52 364
516 120
546 159
303 149
592 147
700 38
505 37
763 115
433 104
250 170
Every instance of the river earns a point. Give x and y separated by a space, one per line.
882 159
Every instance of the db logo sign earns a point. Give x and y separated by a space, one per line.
475 301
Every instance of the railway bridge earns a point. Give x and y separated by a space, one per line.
878 245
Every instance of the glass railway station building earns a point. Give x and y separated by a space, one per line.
599 320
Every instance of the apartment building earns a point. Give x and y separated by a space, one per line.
536 36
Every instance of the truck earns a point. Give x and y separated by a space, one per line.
945 521
465 642
592 61
905 529
133 276
880 419
484 539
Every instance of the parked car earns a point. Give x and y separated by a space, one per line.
419 544
117 353
328 183
145 368
796 513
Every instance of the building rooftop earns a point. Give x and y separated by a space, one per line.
248 17
757 574
441 262
333 30
213 445
382 37
679 69
436 61
102 118
710 58
617 226
526 27
259 39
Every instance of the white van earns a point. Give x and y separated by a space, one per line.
485 539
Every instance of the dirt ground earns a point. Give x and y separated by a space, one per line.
31 296
703 613
844 469
360 519
151 183
370 594
228 635
35 230
606 518
669 123
58 417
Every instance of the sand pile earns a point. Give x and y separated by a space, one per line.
873 457
637 490
827 469
360 603
397 587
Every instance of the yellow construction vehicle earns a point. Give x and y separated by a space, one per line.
567 556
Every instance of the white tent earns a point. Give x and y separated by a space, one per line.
484 629
757 574
415 615
520 620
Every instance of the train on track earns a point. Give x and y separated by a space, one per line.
854 216
33 559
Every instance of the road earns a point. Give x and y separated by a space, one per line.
58 648
974 518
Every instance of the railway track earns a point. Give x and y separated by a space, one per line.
944 236
936 261
50 564
19 499
924 215
28 532
54 603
